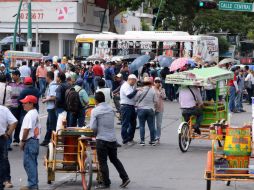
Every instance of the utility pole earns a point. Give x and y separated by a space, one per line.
16 25
29 27
157 15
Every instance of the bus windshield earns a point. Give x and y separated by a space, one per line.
84 49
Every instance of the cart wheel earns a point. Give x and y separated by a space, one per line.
208 182
50 172
228 183
87 174
184 138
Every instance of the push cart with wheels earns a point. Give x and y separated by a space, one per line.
214 112
72 150
222 172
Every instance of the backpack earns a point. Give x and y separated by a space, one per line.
72 100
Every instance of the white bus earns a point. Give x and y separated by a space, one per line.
171 43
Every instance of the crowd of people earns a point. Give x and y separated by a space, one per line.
66 87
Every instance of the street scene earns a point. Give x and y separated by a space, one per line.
117 94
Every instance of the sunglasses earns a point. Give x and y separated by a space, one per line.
157 81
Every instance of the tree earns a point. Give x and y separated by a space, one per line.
118 6
223 45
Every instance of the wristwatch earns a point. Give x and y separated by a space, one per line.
23 141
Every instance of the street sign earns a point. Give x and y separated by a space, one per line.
236 6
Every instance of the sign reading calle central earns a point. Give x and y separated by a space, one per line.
236 6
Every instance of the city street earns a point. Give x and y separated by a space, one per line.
161 167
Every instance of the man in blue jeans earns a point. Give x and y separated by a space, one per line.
51 108
127 101
233 90
7 125
29 141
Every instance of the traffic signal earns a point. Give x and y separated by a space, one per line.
206 4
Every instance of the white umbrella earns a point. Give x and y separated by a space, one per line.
227 60
9 40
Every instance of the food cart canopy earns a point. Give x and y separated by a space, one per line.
200 77
22 55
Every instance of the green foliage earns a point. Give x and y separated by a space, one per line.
223 45
145 26
250 35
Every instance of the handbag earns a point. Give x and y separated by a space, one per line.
247 84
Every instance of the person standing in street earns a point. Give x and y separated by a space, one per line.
25 71
102 122
17 86
109 75
127 101
250 85
29 141
88 80
239 96
106 90
233 90
146 100
8 123
50 101
98 74
159 107
41 74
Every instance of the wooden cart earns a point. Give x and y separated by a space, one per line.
72 150
213 173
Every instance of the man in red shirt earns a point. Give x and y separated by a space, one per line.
233 90
98 74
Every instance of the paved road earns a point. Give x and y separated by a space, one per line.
162 167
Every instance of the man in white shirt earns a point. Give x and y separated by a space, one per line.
127 101
29 141
7 125
24 70
191 104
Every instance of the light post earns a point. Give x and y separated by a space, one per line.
29 27
16 25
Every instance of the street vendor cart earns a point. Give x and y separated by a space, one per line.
215 113
73 150
14 56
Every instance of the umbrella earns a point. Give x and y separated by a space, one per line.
181 62
139 62
165 61
95 58
227 60
9 40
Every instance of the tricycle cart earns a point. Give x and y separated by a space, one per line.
214 112
219 170
72 150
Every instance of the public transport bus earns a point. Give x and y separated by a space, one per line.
170 43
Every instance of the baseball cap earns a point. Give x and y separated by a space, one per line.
79 82
16 72
2 65
29 99
157 79
28 80
119 75
132 76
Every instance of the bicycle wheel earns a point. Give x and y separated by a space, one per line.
184 138
87 173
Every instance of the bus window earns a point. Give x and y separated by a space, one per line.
114 48
154 47
188 49
131 47
160 49
85 49
102 48
137 47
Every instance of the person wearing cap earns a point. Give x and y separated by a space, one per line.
116 93
50 102
79 118
25 71
146 100
4 74
159 107
41 74
29 141
17 87
127 93
7 125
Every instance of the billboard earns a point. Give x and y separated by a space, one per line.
42 12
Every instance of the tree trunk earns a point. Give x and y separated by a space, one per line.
112 27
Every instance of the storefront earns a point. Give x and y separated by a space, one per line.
56 23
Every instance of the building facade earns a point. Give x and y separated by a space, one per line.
56 23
